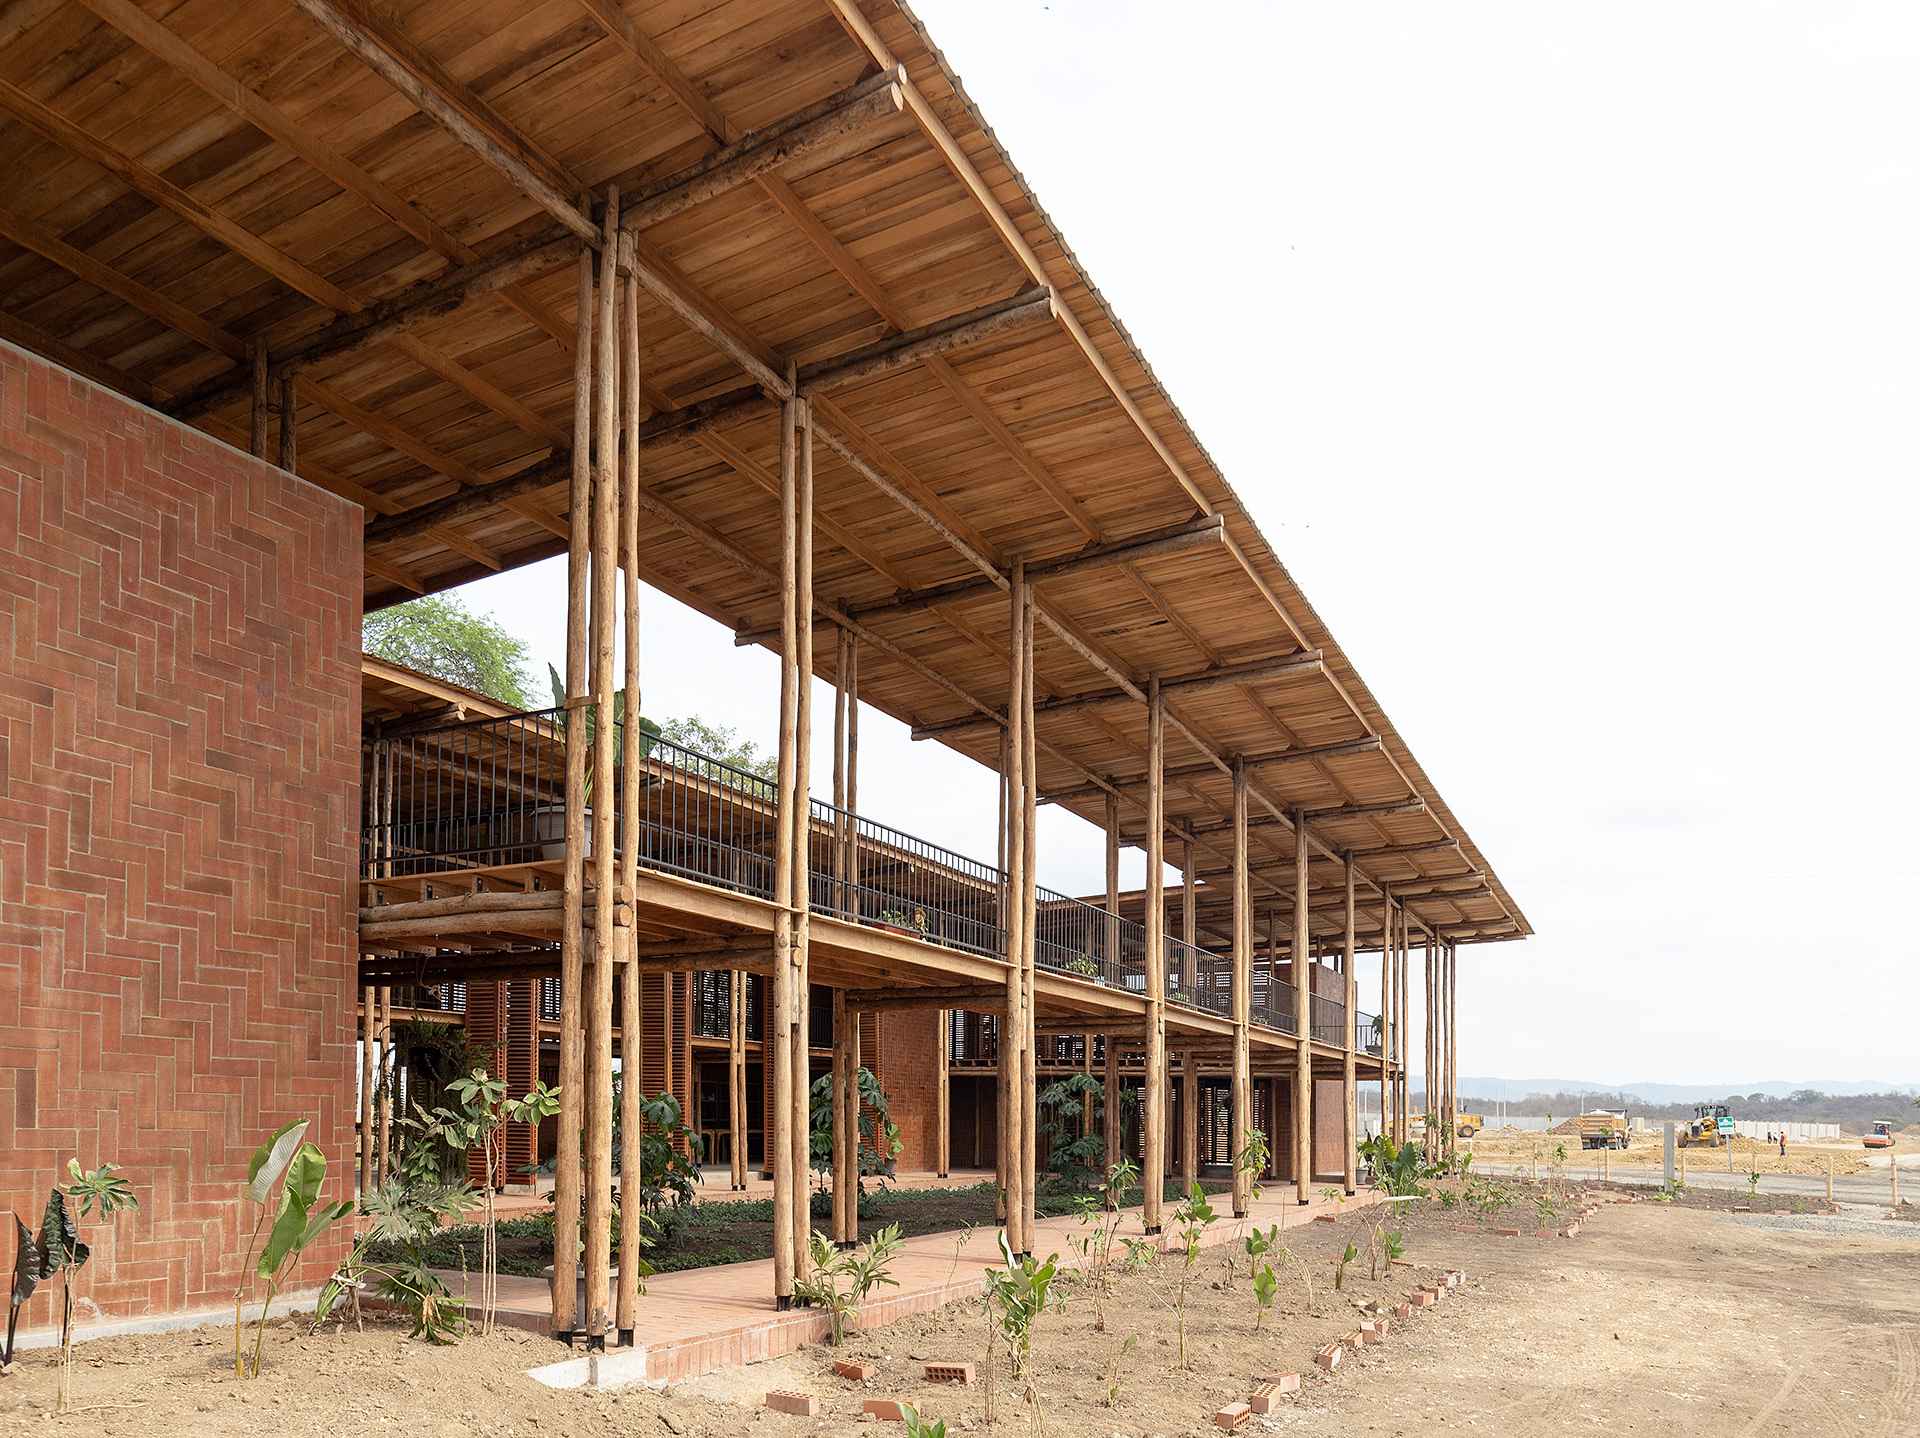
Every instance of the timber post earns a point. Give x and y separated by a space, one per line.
1029 922
1300 950
1153 1166
846 1142
1110 1131
366 1088
631 1124
802 1151
1241 1098
779 1066
604 542
1016 1115
1350 1072
567 1155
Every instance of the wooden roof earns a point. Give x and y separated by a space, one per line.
376 201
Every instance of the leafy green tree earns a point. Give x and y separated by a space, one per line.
438 635
718 742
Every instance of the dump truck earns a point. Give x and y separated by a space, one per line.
1880 1135
1603 1128
1710 1127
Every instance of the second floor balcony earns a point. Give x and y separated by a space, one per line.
490 793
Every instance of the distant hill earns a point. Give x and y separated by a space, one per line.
1853 1105
1668 1093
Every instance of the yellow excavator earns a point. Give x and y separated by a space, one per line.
1710 1127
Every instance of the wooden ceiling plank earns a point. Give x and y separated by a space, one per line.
169 196
133 22
442 98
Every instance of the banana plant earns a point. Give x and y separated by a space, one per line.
299 1168
589 724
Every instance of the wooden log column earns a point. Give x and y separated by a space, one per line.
1301 950
367 1015
846 1141
800 1054
942 1097
1386 1008
737 1125
1003 1024
778 1071
601 616
628 1297
1350 1090
567 1156
1110 1133
1029 925
1189 1119
1242 1096
1153 1167
1428 1025
1453 1038
1403 947
383 1086
1016 1114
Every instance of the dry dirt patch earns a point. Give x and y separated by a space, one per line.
1653 1319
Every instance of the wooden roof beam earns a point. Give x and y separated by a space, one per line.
1179 539
391 55
1255 672
807 132
133 22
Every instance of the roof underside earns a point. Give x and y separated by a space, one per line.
191 183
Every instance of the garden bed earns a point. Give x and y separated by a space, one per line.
718 1231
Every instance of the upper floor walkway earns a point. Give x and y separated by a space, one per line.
470 819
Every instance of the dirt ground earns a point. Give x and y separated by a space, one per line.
1655 1318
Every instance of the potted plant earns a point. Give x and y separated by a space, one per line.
1085 965
908 925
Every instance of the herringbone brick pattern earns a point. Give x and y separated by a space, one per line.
179 792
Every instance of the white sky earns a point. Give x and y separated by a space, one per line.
1566 354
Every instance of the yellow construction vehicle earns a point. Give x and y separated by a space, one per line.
1468 1124
1711 1127
1603 1128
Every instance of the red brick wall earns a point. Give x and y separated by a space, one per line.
179 795
908 1071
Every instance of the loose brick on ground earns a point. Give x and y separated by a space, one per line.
857 1372
1328 1357
888 1410
1234 1415
801 1405
950 1373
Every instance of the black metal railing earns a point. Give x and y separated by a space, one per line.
1271 1003
1329 1020
1071 936
491 792
873 873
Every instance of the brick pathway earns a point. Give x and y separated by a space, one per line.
700 1319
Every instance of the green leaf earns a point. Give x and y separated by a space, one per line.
287 1228
29 1263
270 1160
306 1173
60 1245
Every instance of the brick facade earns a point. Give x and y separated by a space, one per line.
179 796
909 1073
